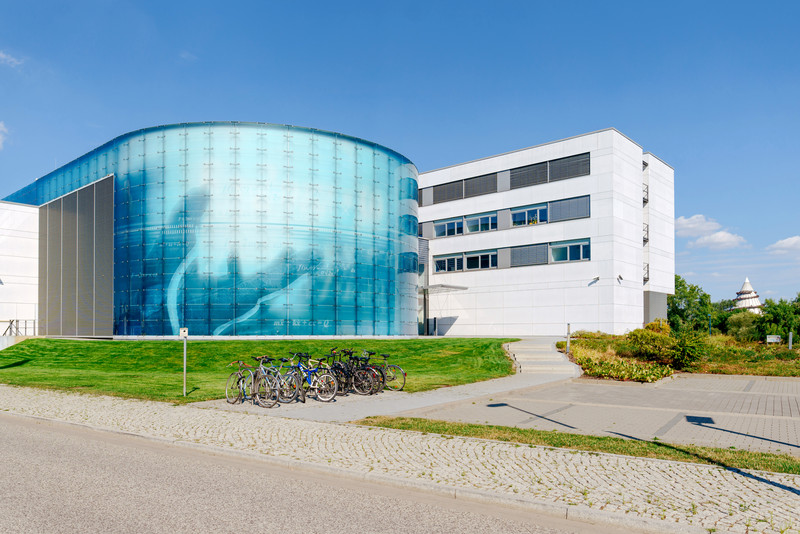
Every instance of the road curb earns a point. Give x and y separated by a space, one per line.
563 511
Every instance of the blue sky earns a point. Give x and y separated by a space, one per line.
712 88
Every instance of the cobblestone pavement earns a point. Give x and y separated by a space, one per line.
666 493
744 412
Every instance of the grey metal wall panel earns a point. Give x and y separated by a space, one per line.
503 258
427 230
503 181
655 306
69 264
448 192
503 219
528 175
570 208
85 256
480 185
529 255
42 319
104 257
427 197
570 167
53 318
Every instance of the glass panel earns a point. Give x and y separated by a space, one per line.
574 252
587 253
494 260
459 227
441 230
494 222
451 264
484 261
473 225
473 262
533 216
559 253
459 264
543 215
518 218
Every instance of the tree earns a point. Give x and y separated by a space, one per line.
689 307
779 318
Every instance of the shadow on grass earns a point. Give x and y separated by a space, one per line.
714 461
15 364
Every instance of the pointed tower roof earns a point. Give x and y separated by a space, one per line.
747 298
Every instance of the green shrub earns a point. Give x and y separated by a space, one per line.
743 326
689 348
651 345
659 326
619 369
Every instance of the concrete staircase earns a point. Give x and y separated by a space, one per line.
539 355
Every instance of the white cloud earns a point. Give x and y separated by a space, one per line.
786 246
696 225
3 134
719 241
187 56
8 59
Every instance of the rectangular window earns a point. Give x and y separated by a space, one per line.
448 264
481 223
482 260
529 215
448 228
570 251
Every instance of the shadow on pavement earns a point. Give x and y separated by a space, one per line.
506 405
718 463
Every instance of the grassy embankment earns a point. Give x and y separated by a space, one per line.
728 458
154 369
609 356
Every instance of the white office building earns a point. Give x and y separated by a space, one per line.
578 231
19 281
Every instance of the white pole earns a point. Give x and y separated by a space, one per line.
184 366
568 338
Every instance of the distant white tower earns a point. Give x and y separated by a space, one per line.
747 298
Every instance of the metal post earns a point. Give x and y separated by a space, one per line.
184 367
568 332
790 339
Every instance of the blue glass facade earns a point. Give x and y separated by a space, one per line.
254 229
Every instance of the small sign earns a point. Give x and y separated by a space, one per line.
184 333
773 339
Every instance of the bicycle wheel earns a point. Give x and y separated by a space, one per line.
233 391
378 377
325 386
362 382
266 392
395 378
288 387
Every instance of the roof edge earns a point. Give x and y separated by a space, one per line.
611 129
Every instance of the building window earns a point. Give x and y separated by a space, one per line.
481 223
448 263
529 215
570 251
481 260
449 228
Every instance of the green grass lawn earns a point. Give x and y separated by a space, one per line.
154 369
728 458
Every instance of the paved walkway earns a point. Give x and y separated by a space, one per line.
540 364
656 494
743 412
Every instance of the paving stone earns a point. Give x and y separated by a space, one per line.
704 496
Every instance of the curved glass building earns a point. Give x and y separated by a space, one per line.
230 228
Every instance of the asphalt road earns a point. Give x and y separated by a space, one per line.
61 478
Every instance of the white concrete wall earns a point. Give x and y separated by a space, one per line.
661 212
542 299
19 262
